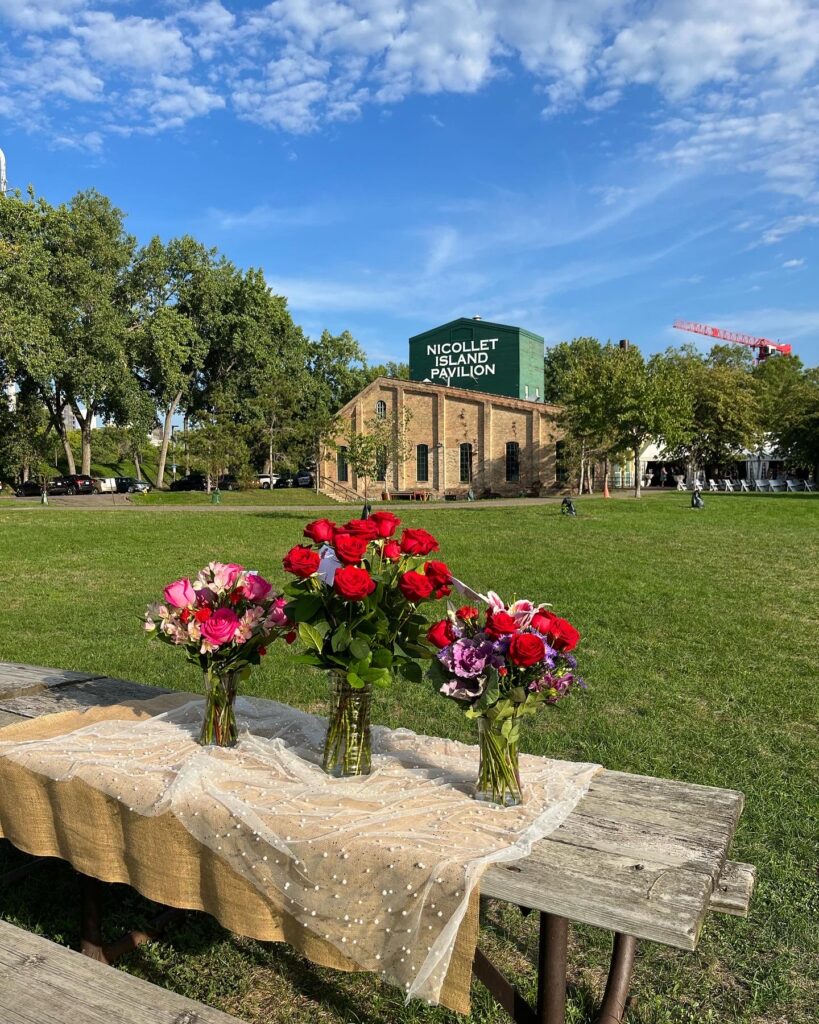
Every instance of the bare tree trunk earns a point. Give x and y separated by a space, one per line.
55 411
637 481
166 439
582 474
137 464
606 473
185 436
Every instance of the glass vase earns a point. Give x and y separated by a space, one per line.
347 749
219 724
498 774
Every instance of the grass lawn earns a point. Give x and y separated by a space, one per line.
700 654
249 496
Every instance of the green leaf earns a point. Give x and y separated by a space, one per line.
307 659
359 649
355 680
341 638
412 670
310 636
303 608
382 658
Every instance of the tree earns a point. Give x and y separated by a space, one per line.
62 306
789 404
725 418
169 325
382 443
644 400
26 438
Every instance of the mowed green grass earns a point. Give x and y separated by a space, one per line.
246 496
699 648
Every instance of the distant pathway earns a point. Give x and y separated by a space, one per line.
115 502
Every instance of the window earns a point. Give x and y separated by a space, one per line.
422 463
381 409
341 466
512 461
561 467
381 466
466 463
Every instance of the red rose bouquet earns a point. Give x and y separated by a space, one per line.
223 620
516 660
356 602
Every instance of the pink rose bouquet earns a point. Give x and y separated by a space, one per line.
224 620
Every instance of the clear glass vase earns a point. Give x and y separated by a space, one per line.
219 724
498 774
347 749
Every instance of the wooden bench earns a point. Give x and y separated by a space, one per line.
44 983
643 857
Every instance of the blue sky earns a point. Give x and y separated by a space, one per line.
576 168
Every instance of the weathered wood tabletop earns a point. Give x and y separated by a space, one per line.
640 856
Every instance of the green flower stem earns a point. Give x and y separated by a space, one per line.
347 749
499 773
219 724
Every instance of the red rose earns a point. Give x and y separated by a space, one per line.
500 624
186 615
321 531
301 561
562 635
467 612
441 634
392 551
353 584
202 614
526 649
542 619
291 637
236 596
362 528
438 572
418 542
350 549
386 522
415 587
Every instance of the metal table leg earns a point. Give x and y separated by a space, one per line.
551 969
91 926
617 986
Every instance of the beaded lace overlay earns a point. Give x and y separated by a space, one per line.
381 866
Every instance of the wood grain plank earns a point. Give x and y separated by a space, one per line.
101 692
16 679
734 888
43 983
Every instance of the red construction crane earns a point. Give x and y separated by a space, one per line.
762 346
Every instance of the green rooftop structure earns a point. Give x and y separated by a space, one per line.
480 356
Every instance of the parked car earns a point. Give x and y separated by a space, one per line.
76 483
285 480
104 484
304 478
267 480
130 485
29 489
194 482
228 482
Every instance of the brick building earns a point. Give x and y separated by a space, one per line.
476 419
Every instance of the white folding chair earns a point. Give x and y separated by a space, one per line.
791 486
712 485
810 486
743 486
776 485
728 485
761 485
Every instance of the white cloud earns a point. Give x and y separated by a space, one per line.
141 44
793 264
267 216
789 226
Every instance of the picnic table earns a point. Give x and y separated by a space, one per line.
643 857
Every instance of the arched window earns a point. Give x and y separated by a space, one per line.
342 473
466 463
422 463
381 409
512 461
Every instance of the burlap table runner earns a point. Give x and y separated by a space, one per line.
378 873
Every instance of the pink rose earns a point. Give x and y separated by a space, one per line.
221 627
233 572
180 594
256 588
276 616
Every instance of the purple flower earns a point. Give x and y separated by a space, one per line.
467 658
